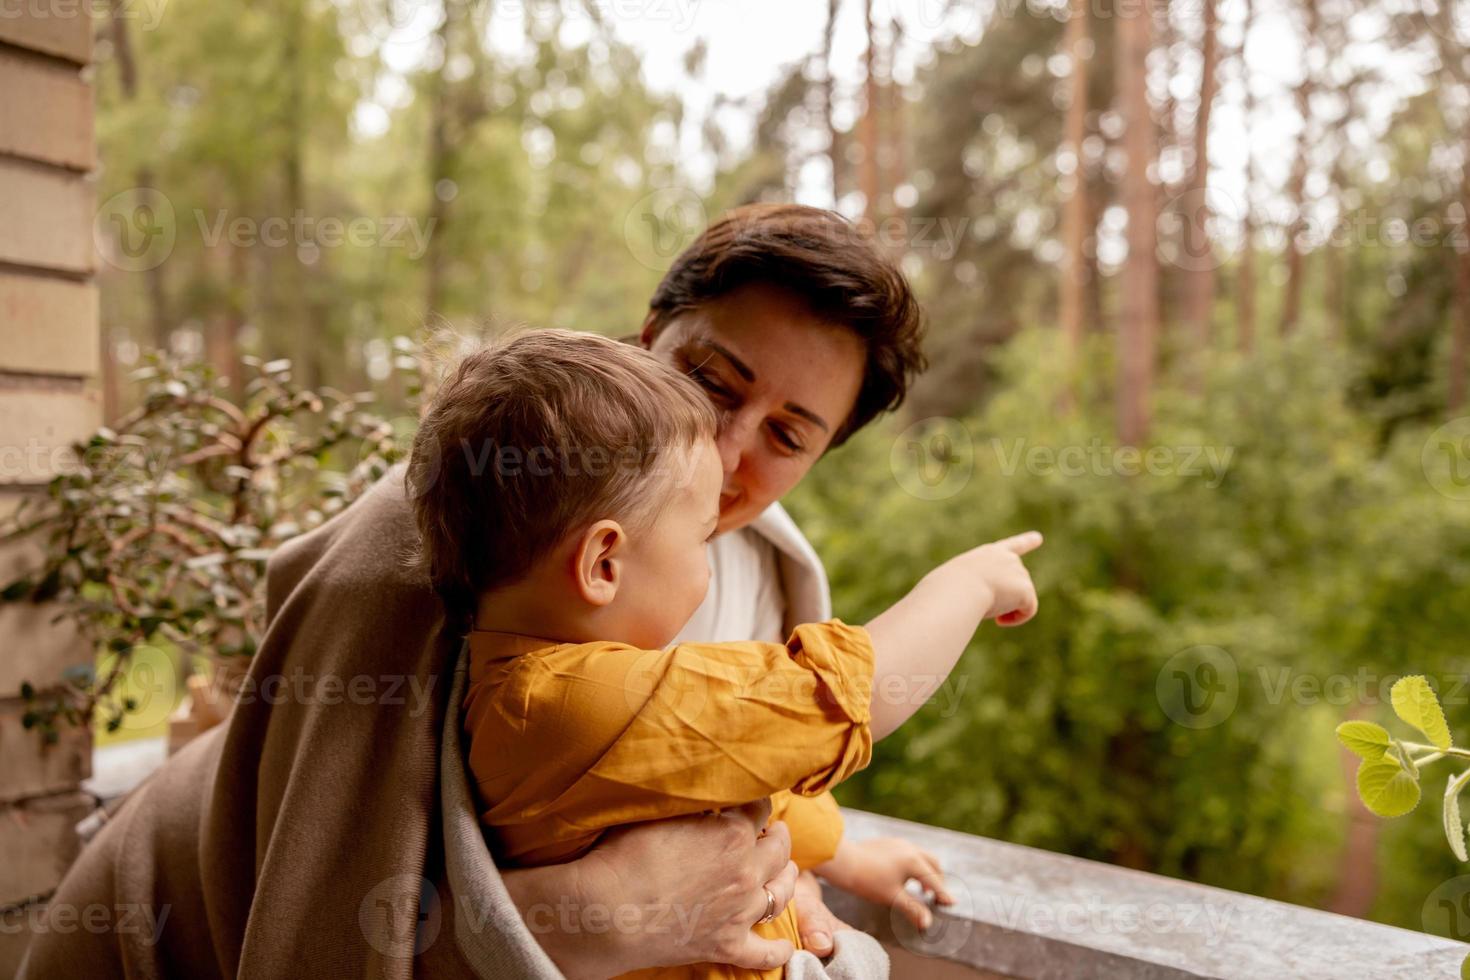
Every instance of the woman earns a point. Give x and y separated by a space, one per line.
328 828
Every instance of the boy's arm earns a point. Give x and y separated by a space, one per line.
917 641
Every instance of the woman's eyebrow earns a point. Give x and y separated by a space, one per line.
807 414
741 368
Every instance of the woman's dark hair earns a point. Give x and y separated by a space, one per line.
823 260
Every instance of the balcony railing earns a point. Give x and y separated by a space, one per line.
1024 913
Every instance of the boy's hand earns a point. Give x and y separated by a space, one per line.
1000 569
878 869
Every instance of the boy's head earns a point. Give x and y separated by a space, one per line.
576 479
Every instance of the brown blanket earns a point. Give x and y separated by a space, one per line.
298 839
328 828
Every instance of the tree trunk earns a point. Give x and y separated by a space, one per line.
1245 283
1074 216
306 316
834 144
1460 337
127 74
439 170
1297 186
868 125
1138 323
893 158
1200 302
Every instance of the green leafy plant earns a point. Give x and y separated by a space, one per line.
158 532
1389 775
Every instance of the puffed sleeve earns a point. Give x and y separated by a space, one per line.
619 735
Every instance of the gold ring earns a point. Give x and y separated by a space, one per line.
770 909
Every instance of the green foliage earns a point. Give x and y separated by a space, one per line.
158 534
1311 559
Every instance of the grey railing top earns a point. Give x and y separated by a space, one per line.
1021 912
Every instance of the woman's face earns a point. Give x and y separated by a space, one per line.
783 379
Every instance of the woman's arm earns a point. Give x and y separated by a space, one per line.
632 902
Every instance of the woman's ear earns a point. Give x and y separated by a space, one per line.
647 333
599 564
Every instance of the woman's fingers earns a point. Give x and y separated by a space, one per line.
782 888
813 918
755 953
772 852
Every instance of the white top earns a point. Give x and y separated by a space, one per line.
765 579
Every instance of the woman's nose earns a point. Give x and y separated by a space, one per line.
734 441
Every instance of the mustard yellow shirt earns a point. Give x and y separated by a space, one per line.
568 740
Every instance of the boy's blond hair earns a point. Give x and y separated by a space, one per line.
537 436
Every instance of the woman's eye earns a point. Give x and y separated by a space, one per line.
711 385
784 437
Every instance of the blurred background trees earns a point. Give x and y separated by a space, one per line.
1229 227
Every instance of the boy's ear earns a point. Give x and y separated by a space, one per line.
598 567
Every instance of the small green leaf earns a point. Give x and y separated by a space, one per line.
1454 828
1364 739
1387 789
1414 702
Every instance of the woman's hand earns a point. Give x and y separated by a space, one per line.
678 891
815 921
878 870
